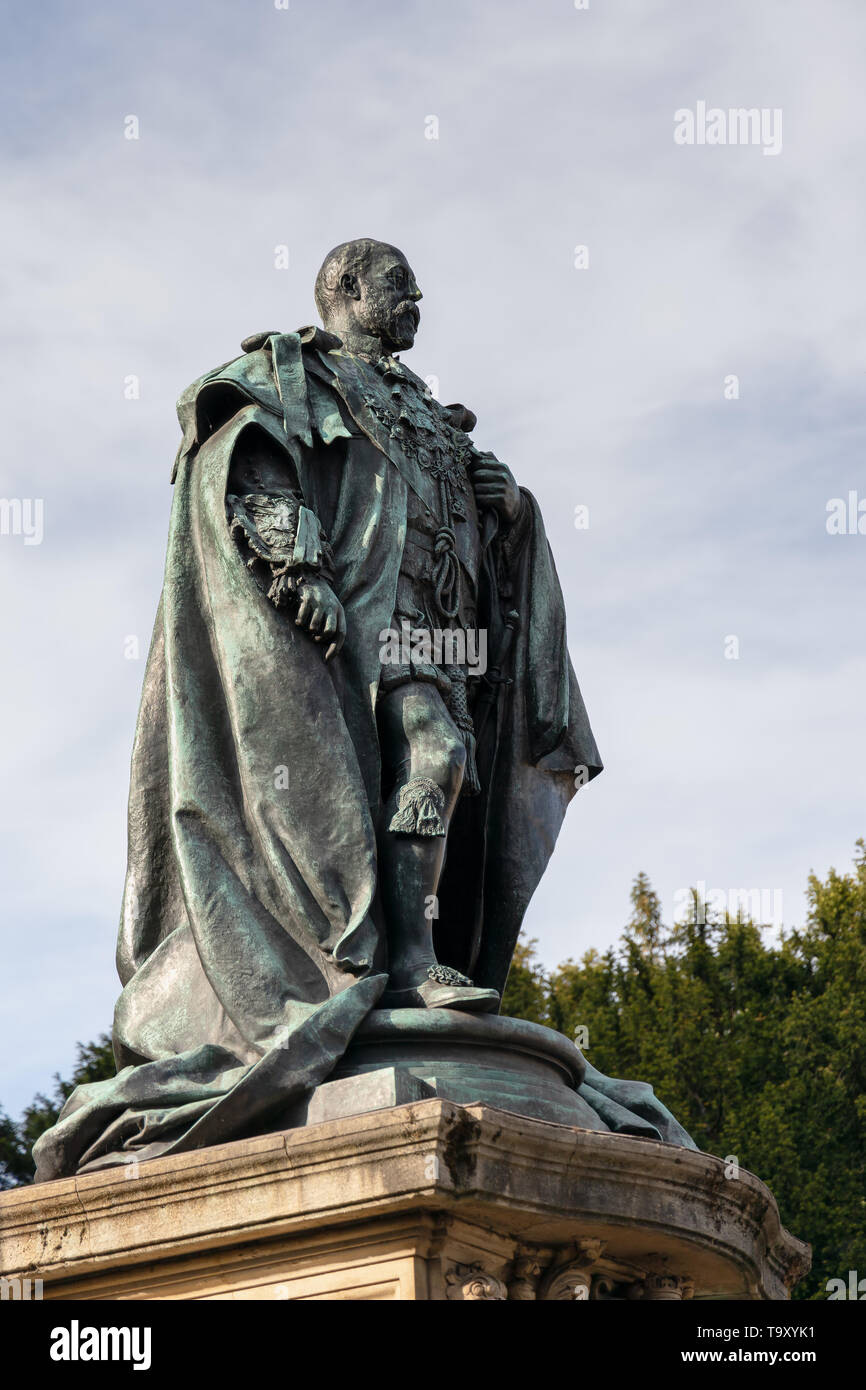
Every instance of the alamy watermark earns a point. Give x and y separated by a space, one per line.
23 516
854 1288
846 516
77 1343
453 646
738 125
20 1290
763 905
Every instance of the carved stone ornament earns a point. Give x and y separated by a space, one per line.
571 1284
570 1279
667 1288
471 1284
522 1287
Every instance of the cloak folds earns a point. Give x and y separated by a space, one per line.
251 946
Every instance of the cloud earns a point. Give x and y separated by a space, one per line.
605 387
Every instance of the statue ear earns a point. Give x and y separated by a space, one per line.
349 286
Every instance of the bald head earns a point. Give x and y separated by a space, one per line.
366 293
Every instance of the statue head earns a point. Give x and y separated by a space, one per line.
366 291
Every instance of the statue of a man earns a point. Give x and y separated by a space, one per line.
335 805
367 296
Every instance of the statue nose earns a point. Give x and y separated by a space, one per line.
415 293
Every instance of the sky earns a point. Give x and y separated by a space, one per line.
692 378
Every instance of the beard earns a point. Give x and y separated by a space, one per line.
403 324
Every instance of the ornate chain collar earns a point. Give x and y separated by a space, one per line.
419 427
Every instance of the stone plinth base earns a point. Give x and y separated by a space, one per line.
425 1200
400 1055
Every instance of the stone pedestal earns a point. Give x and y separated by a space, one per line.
427 1199
400 1055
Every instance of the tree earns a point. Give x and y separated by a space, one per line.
15 1165
525 994
758 1048
95 1062
812 1121
644 931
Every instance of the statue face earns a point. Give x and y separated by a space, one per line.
385 295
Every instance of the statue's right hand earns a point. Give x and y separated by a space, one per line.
321 613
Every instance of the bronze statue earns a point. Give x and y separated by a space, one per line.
335 805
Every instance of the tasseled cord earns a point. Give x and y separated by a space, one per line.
420 805
471 782
463 719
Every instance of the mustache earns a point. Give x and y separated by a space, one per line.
408 306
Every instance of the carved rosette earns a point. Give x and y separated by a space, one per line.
472 1284
571 1285
570 1280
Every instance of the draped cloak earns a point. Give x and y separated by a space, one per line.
251 944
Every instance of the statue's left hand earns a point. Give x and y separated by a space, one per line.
494 486
321 613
